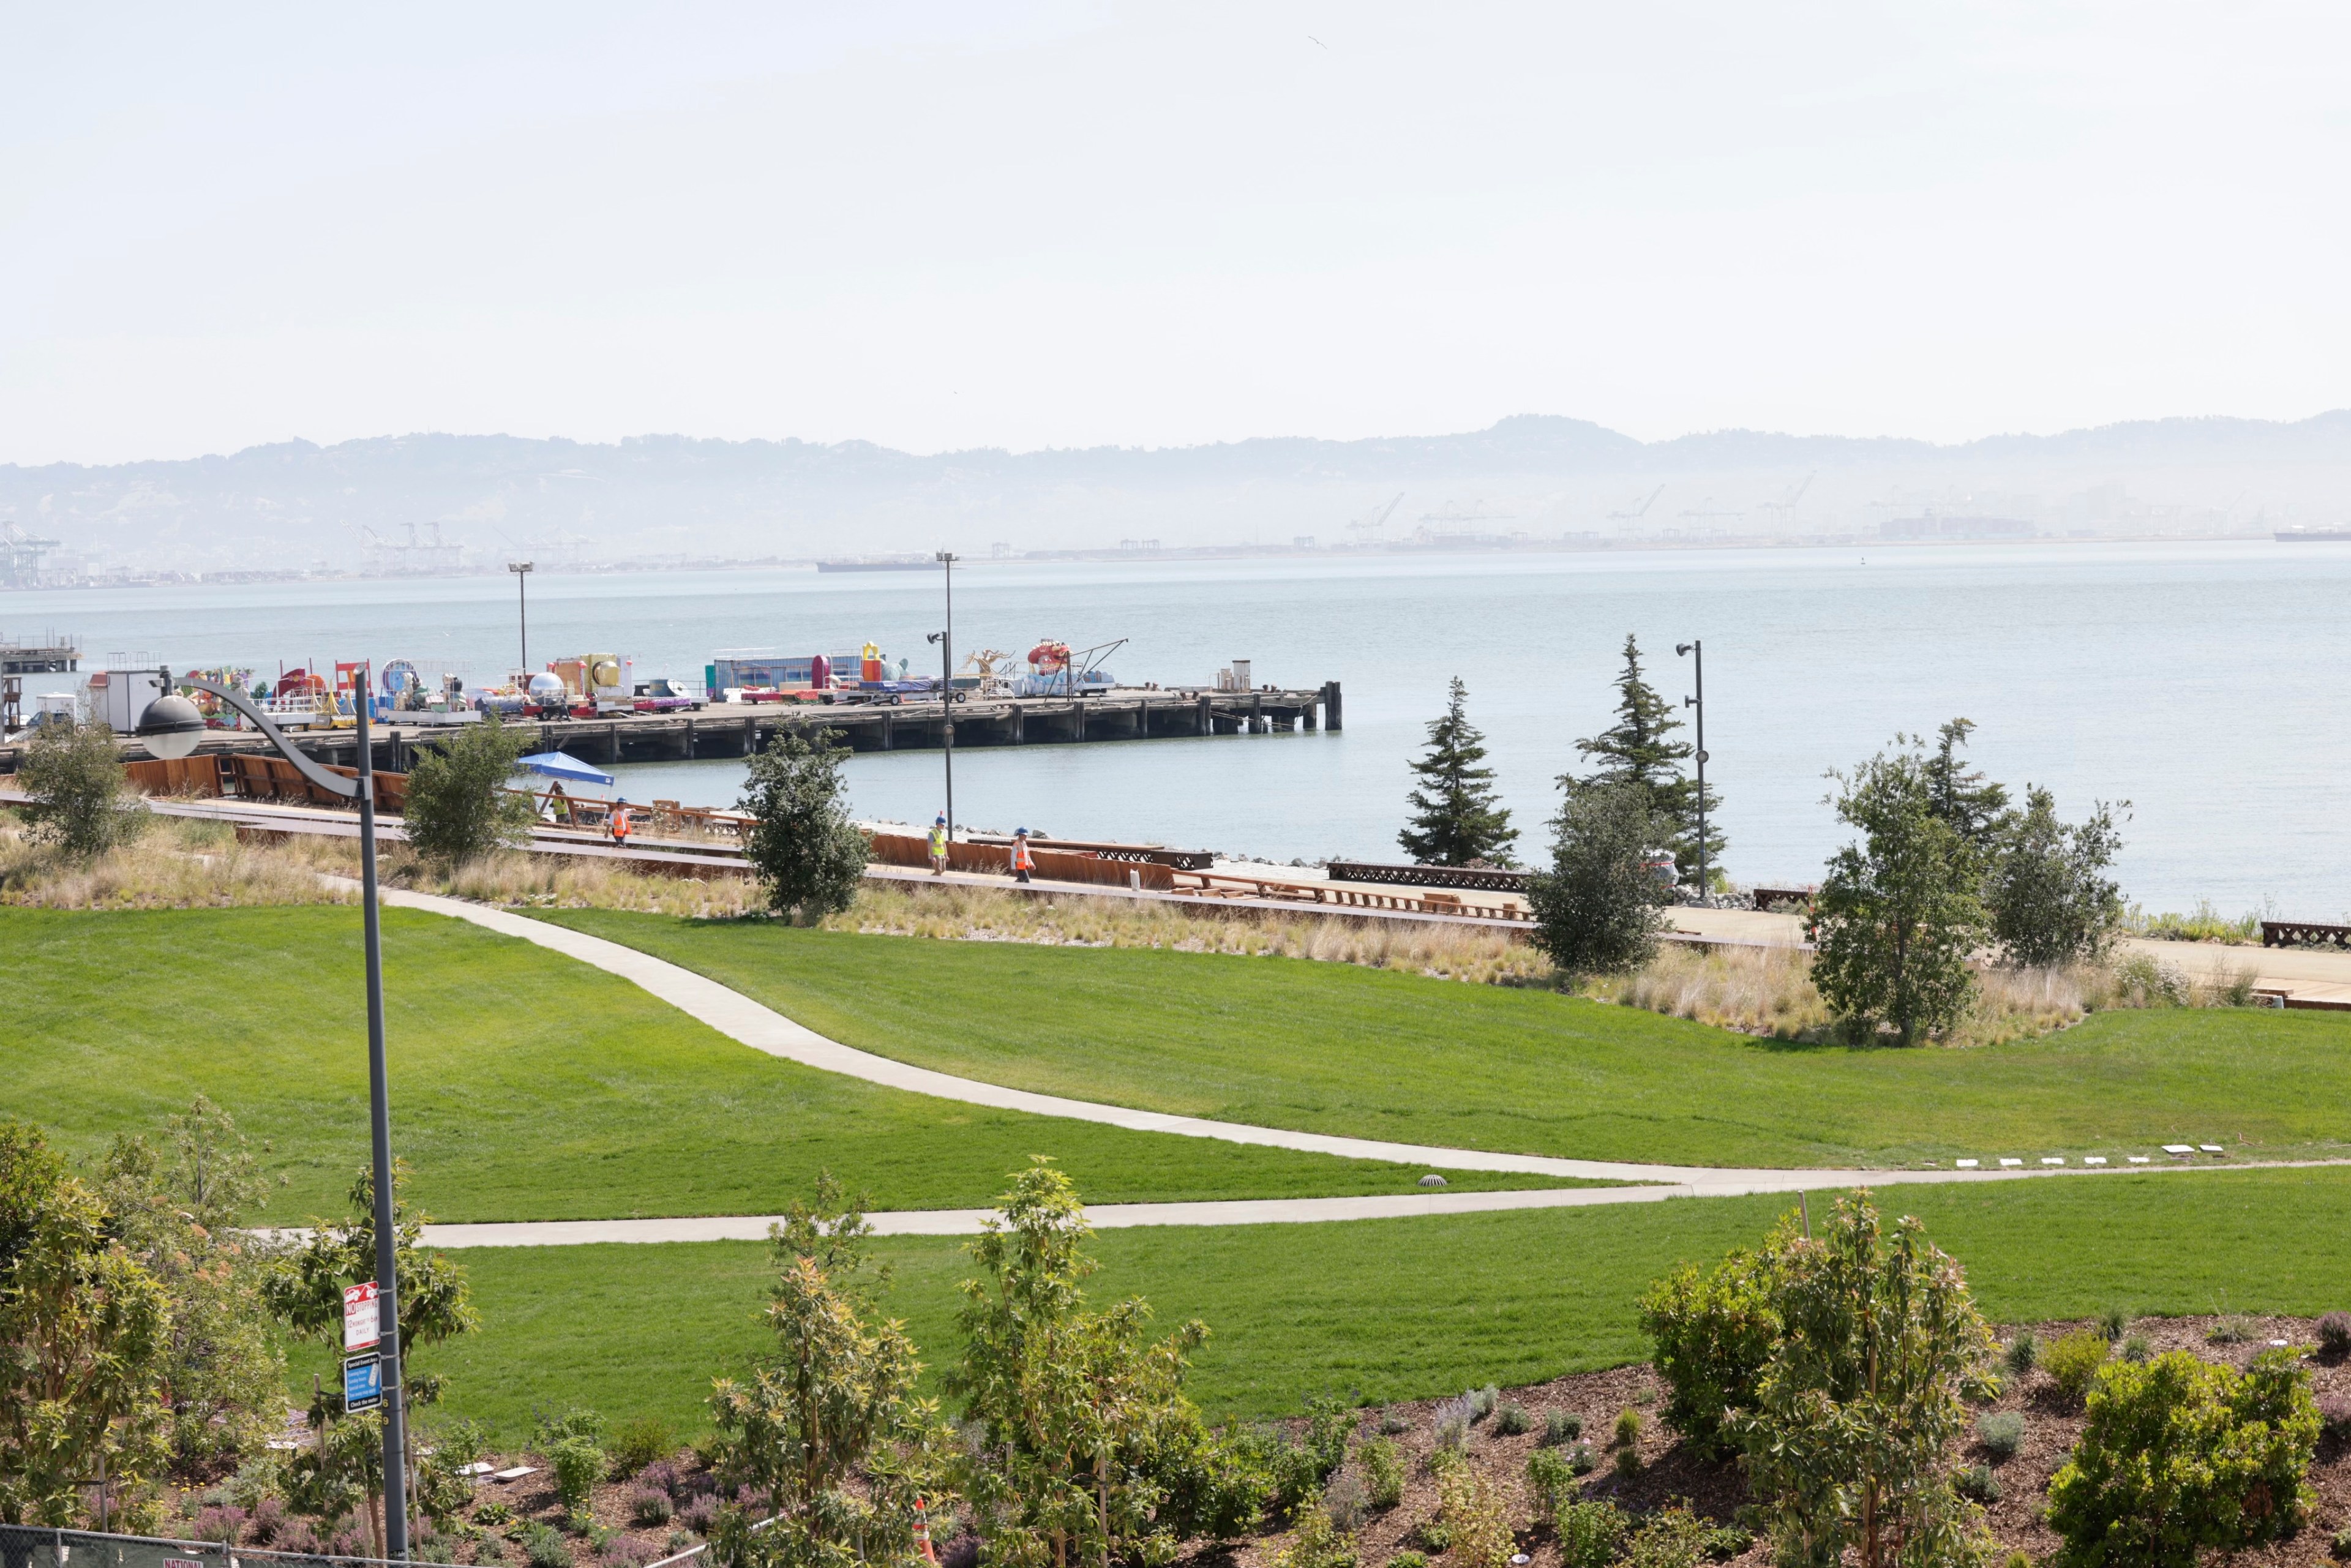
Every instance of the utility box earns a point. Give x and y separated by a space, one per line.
1241 675
121 697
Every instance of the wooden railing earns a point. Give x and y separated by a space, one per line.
1225 885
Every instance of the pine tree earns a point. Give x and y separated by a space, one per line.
1455 817
1962 795
1639 749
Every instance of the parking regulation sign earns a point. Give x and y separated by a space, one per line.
362 1383
362 1318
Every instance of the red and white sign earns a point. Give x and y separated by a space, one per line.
363 1320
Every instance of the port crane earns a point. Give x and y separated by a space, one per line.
22 555
1782 509
1636 514
1367 529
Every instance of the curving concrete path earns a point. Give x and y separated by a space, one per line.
762 1028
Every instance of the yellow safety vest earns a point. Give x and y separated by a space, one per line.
938 843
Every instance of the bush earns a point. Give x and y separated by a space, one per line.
458 806
1711 1335
1978 1484
1392 1424
73 771
1627 1430
1596 910
2341 1545
1435 1532
1628 1463
2334 1335
1408 1559
808 854
1579 1459
1473 1511
1589 1534
1672 1537
2050 902
2179 1455
1553 1480
649 1507
579 1465
1329 1425
2075 1360
2024 1353
1482 1401
543 1546
1342 1501
1512 1419
1562 1426
2001 1435
1384 1473
638 1443
2334 1417
493 1513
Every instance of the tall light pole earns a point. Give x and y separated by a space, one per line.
171 727
945 640
521 569
1695 651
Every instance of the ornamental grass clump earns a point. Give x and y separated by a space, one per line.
2334 1335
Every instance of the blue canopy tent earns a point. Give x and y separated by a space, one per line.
557 765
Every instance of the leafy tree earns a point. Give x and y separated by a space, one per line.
72 770
1456 818
803 844
1961 795
2050 899
176 1209
459 808
1080 1416
1595 909
1714 1334
1639 749
827 1430
84 1334
2179 1455
1864 1395
1898 912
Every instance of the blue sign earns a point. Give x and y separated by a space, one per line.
362 1383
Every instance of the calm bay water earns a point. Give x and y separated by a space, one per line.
2205 682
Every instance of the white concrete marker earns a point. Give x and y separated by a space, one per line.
2052 1159
2140 1160
2212 1149
2178 1149
1968 1164
2009 1163
2093 1159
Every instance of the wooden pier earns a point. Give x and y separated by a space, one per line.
739 729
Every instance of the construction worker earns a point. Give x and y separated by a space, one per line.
1023 862
620 823
558 805
939 846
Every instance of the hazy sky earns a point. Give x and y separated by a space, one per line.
1064 223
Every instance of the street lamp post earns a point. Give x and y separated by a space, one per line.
1697 652
171 727
946 640
521 569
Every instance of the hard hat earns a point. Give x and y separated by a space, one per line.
1020 833
942 817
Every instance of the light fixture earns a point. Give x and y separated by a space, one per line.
171 726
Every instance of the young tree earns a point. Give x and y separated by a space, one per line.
1864 1395
176 1209
1961 795
1081 1416
73 771
1595 909
458 805
1456 818
84 1331
827 1430
1898 912
2050 899
1639 749
806 850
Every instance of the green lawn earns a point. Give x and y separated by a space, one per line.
1331 1048
1407 1308
524 1085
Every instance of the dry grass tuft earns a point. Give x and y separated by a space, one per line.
518 880
176 863
1755 990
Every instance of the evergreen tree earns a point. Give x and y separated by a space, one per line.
1454 818
1596 909
1639 749
808 853
1962 795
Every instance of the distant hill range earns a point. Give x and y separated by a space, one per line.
387 501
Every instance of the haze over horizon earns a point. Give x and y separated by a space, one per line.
1061 225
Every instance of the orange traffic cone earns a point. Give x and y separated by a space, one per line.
923 1533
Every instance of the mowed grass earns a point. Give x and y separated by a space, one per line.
1332 1048
1408 1307
524 1085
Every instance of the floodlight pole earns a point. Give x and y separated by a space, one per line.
387 1255
947 690
1697 651
521 569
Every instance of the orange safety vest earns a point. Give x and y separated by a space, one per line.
620 824
1020 858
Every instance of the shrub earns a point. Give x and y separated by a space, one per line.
2001 1434
1482 1401
2017 1560
2334 1417
2075 1360
2178 1455
1562 1426
1589 1534
1392 1425
1473 1509
1596 910
638 1443
1451 1421
1553 1480
1511 1420
2334 1335
579 1465
2341 1545
649 1507
2136 1347
1408 1559
1329 1424
2112 1323
73 771
809 856
493 1513
1343 1500
2024 1353
1978 1484
700 1514
1628 1462
1711 1334
1579 1459
2048 897
1384 1473
543 1546
458 808
1435 1532
1672 1537
1627 1430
